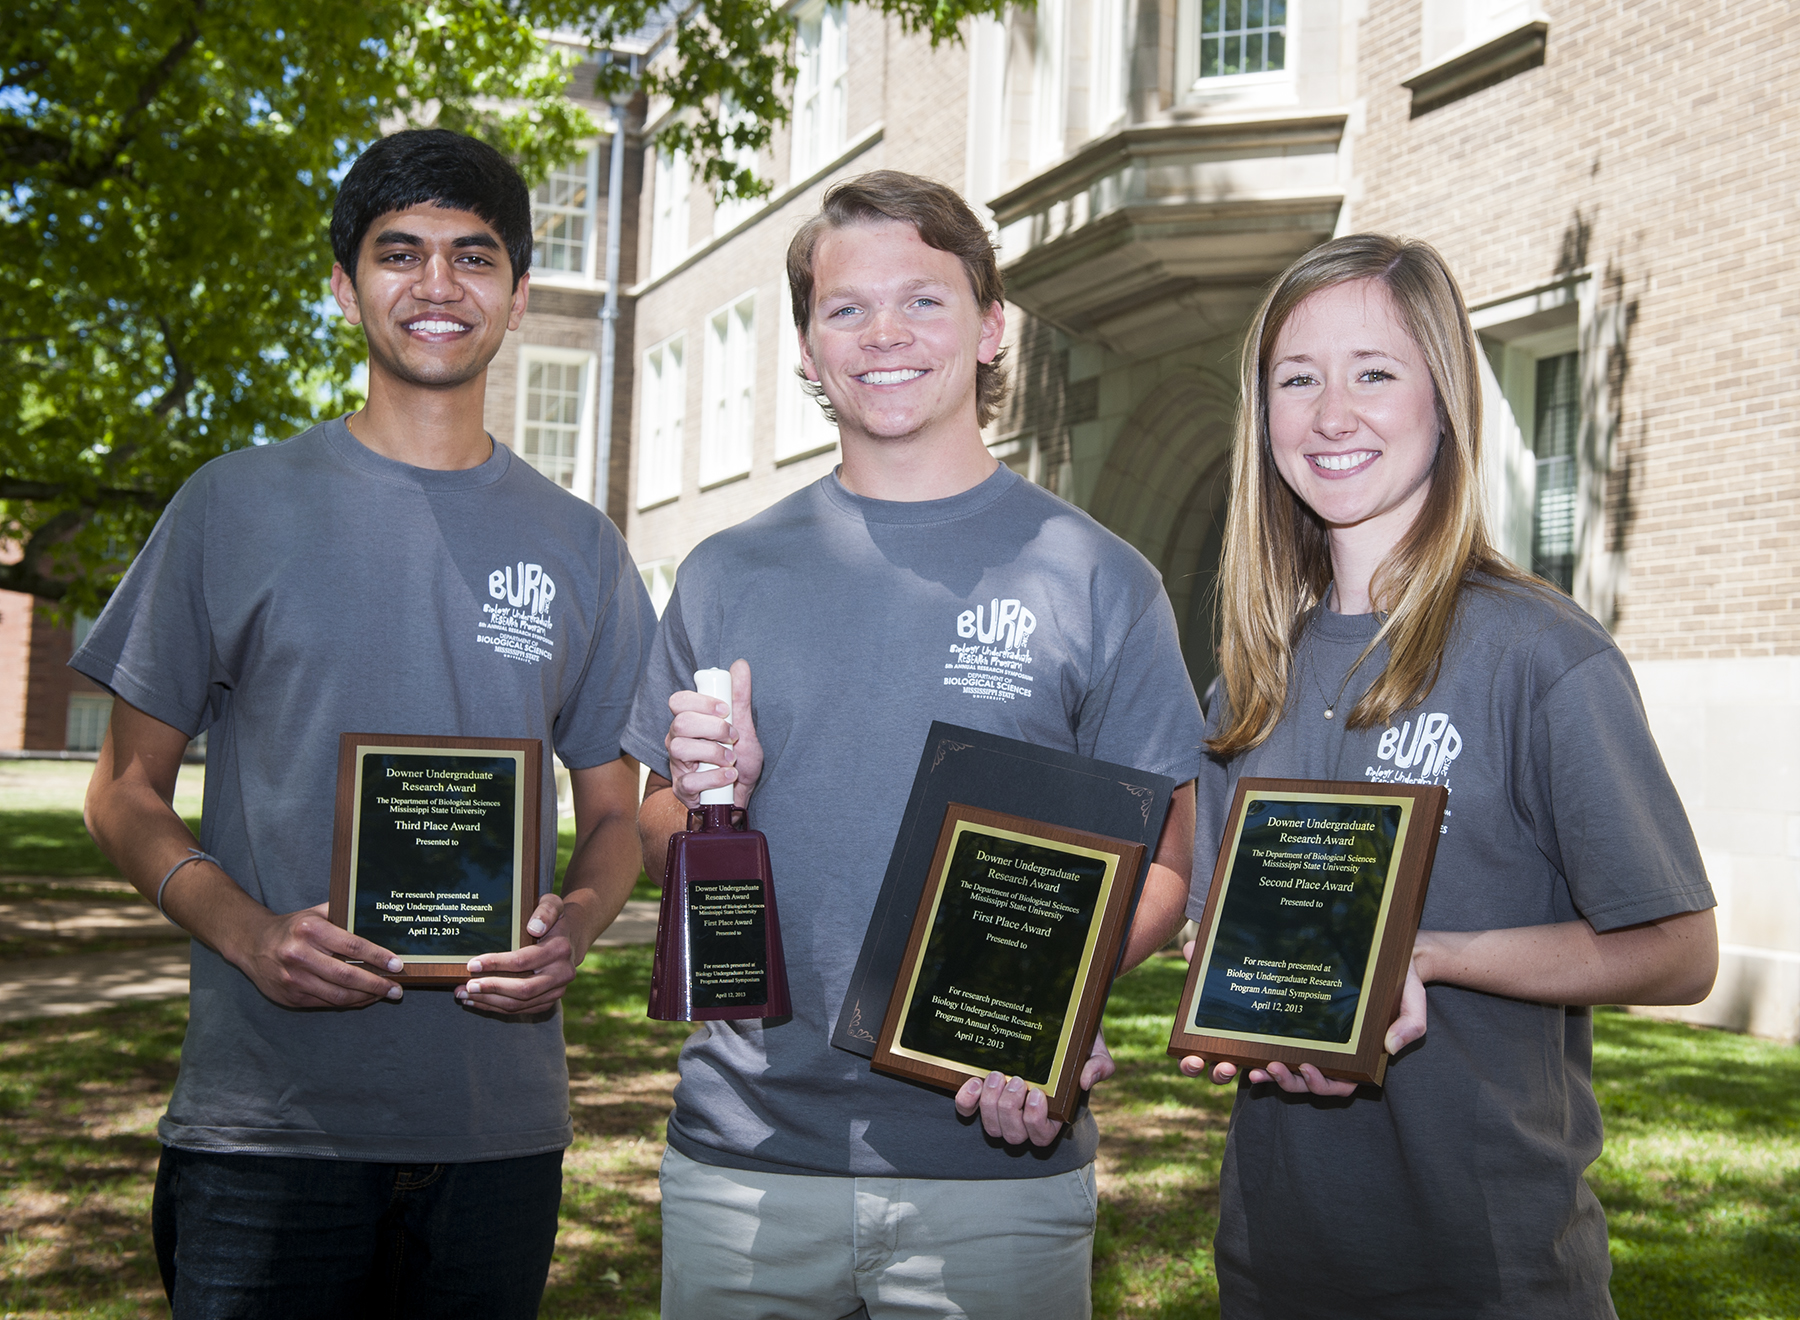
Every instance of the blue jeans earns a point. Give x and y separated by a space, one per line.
275 1238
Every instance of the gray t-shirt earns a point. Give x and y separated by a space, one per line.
301 590
1002 608
1456 1189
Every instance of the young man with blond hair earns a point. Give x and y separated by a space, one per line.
798 1183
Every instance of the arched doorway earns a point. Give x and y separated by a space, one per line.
1164 487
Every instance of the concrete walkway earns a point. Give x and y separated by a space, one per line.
83 982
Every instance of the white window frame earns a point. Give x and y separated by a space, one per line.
801 428
1268 87
1447 28
1049 83
590 215
728 419
730 212
662 419
671 202
821 92
582 473
89 714
1517 333
1108 44
659 580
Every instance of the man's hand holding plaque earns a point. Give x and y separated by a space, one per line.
435 858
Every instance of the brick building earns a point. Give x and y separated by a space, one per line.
1613 184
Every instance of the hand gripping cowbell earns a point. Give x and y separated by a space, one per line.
718 940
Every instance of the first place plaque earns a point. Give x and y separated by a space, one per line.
1309 925
435 851
1012 952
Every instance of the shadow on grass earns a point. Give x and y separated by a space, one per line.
1701 1173
78 1151
1161 1139
1700 1179
621 1079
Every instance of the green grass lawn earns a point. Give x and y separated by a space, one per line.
1701 1176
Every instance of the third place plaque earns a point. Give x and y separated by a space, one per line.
435 856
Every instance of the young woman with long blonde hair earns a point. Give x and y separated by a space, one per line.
1370 632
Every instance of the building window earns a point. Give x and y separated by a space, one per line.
1531 428
88 717
1555 429
729 421
555 411
563 219
1242 36
820 106
1049 85
659 581
670 201
801 428
729 211
663 412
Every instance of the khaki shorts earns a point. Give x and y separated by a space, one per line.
777 1246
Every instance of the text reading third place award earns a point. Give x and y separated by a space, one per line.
1309 925
435 853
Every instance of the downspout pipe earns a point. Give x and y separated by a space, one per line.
609 311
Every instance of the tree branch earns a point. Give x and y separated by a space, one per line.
26 576
88 497
26 149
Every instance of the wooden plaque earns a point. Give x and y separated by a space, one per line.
1309 925
1013 949
434 851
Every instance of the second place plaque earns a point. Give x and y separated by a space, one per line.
1309 925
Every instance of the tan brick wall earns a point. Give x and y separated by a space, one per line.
1659 146
918 95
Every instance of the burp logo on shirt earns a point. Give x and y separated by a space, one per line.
1418 752
995 663
1004 621
518 623
532 586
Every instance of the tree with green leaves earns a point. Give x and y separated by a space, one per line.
168 173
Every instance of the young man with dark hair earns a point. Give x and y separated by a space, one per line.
335 1146
799 1184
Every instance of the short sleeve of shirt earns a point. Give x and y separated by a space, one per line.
589 730
1605 811
152 644
1142 710
1212 800
670 670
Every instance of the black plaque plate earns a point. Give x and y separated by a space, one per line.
728 942
435 850
969 766
1011 954
1315 902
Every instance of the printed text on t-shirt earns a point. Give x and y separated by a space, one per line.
994 662
518 623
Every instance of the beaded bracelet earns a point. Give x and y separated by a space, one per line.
194 855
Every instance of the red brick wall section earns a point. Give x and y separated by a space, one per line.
1659 147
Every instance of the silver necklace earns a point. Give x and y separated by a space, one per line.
1331 705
